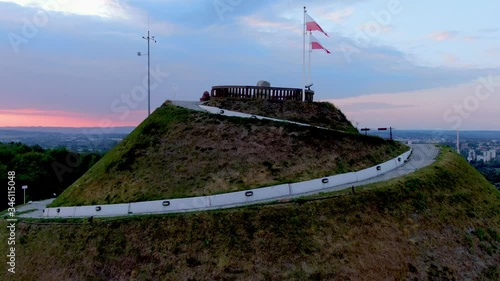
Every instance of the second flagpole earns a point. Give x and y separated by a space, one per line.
310 51
304 57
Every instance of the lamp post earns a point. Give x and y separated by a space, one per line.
149 38
390 131
24 187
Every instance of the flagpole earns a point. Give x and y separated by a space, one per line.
310 51
304 57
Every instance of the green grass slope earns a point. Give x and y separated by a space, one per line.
439 223
178 152
322 114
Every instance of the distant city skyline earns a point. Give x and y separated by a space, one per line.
401 63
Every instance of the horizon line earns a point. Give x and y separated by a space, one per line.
65 127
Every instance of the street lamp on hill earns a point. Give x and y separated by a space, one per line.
149 38
24 187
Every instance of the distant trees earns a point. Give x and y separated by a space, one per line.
44 171
490 170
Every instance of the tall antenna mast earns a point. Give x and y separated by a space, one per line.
458 141
149 39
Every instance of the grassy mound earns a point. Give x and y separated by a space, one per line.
322 114
178 152
439 223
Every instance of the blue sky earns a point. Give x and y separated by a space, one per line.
73 63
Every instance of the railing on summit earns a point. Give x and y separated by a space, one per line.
258 92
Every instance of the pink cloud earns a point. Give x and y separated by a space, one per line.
339 16
268 25
442 35
450 58
33 111
472 106
56 118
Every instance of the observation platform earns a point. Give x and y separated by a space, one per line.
261 92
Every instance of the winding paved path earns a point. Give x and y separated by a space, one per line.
422 156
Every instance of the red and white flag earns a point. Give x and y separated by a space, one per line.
312 25
316 45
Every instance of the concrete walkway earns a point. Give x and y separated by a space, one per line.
38 207
422 156
193 105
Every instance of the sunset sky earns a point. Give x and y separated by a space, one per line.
407 64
